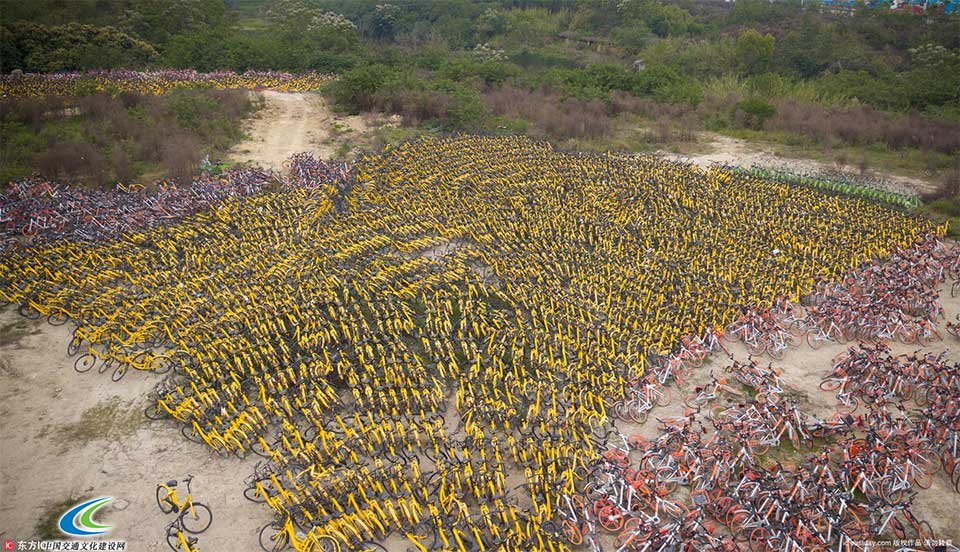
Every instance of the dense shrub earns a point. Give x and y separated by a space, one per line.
99 139
554 116
41 48
753 112
865 125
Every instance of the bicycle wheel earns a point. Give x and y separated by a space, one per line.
327 543
665 396
189 434
756 348
898 529
949 462
85 363
196 520
172 541
74 346
621 411
814 340
923 479
848 407
793 339
830 384
776 352
758 538
272 538
571 532
28 312
923 529
638 417
105 365
162 501
57 318
119 372
250 493
154 412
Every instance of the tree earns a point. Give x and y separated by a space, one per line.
754 51
41 48
754 112
356 89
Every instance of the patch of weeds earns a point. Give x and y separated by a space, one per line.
12 333
46 527
7 368
43 432
342 150
111 419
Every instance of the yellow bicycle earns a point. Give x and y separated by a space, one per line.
194 517
178 540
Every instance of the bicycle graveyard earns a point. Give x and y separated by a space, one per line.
435 346
161 81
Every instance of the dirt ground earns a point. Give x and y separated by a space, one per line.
67 436
733 151
292 122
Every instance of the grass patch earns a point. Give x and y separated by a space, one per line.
12 332
47 526
908 162
391 136
342 151
947 208
111 419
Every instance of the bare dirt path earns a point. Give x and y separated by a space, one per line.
293 122
733 151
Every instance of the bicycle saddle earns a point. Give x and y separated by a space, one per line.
172 483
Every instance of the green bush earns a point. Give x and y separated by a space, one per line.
356 89
754 112
946 206
41 48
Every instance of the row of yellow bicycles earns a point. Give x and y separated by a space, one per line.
155 82
428 359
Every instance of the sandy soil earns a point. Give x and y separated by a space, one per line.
293 122
69 436
733 151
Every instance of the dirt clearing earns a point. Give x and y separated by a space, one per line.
732 151
293 122
67 436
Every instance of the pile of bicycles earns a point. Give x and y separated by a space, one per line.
838 183
37 210
434 353
895 300
33 209
742 492
309 172
154 82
